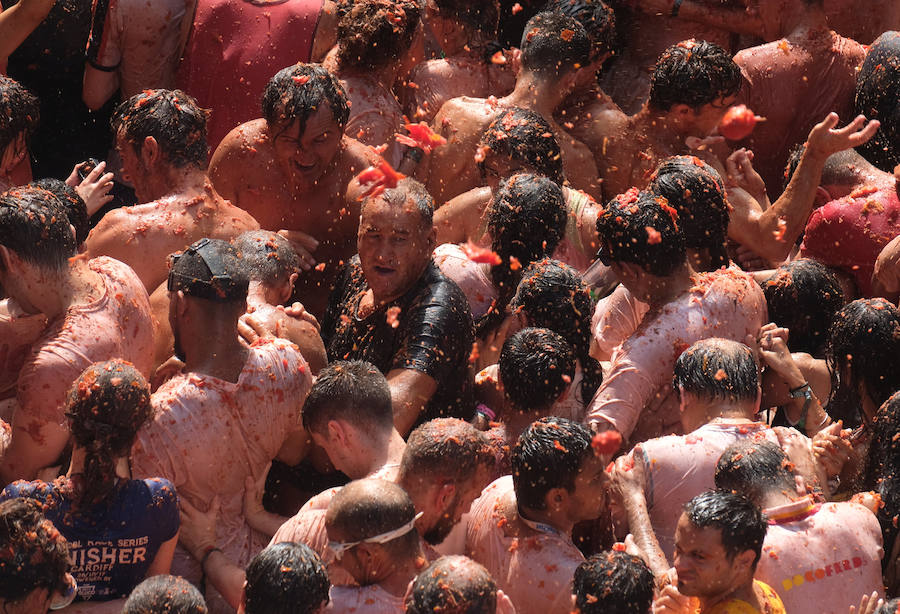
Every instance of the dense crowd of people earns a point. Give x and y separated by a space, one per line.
450 306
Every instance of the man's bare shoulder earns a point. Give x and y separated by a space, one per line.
246 144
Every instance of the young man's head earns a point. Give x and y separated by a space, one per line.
536 367
306 110
804 296
694 82
271 261
556 472
554 47
446 464
20 113
396 237
371 529
641 240
599 21
36 240
165 593
207 286
158 132
285 578
519 140
718 542
34 560
718 376
472 23
453 585
755 469
375 34
349 414
613 582
696 191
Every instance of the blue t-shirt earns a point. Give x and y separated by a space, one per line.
111 544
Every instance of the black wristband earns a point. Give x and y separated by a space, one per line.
676 6
98 66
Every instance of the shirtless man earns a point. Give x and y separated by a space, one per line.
19 116
290 170
806 72
464 29
243 403
520 528
161 136
692 86
371 530
551 63
97 310
273 267
374 38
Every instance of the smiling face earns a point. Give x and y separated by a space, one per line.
394 247
304 158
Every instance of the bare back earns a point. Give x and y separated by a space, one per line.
143 236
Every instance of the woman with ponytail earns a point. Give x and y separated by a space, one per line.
119 530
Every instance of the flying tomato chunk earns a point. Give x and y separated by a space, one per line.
481 254
422 136
379 178
738 123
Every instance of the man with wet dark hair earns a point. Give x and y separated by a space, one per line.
718 544
692 85
520 528
456 585
836 548
20 113
34 564
290 170
613 582
99 307
285 578
392 307
161 137
229 410
878 96
718 385
555 50
520 141
643 245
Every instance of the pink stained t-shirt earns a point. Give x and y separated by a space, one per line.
850 232
615 318
821 559
371 599
116 325
248 42
636 396
679 467
472 277
534 571
209 435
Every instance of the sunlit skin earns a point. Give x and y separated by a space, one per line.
628 149
179 207
294 182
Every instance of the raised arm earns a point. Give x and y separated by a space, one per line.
772 232
18 22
